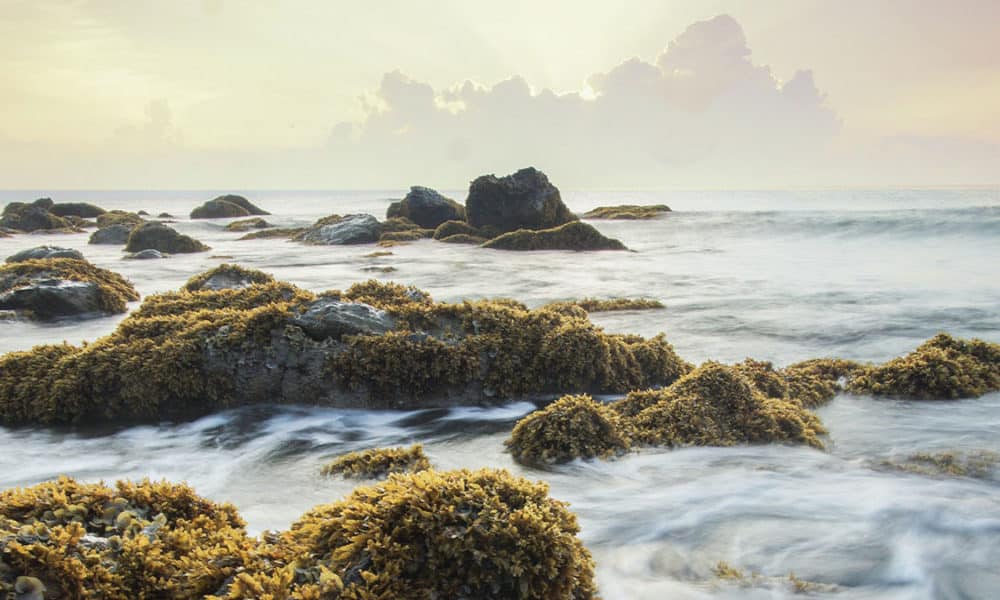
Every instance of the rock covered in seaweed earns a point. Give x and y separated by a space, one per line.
157 236
451 228
569 428
377 463
35 216
426 207
82 210
627 212
50 288
337 230
942 368
248 224
574 235
591 305
523 200
39 252
119 217
112 235
227 206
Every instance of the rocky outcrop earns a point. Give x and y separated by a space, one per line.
51 288
25 217
524 200
348 229
112 235
571 236
76 209
157 236
39 252
426 207
227 206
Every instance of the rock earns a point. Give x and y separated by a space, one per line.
627 212
44 203
378 463
463 238
77 209
426 207
145 255
227 206
112 235
524 200
450 228
157 236
50 288
329 318
119 217
164 215
31 217
227 277
45 252
570 428
349 229
574 235
142 213
248 224
52 298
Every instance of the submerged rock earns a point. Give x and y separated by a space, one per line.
76 209
112 235
627 212
571 236
379 462
145 255
227 206
50 288
44 252
426 207
248 224
157 236
349 229
524 200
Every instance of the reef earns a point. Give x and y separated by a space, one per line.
227 206
592 305
569 428
49 288
376 345
65 539
574 235
377 463
942 368
627 212
157 236
458 534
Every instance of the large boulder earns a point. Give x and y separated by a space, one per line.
157 236
45 289
44 252
349 229
227 206
77 209
31 217
426 207
575 235
116 235
524 200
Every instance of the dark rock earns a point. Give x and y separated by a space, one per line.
330 318
142 213
50 288
524 200
45 252
31 217
349 229
157 236
53 298
164 215
145 255
77 209
571 236
44 203
223 207
111 235
426 207
450 228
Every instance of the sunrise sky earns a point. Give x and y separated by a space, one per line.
656 94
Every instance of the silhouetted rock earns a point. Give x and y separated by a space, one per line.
426 207
157 236
44 252
524 200
77 209
111 235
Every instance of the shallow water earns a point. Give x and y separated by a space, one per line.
778 276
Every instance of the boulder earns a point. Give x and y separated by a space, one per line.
524 200
145 255
627 212
116 217
426 207
53 298
77 209
50 288
44 203
227 206
45 252
450 228
112 235
31 217
331 318
349 229
157 236
571 236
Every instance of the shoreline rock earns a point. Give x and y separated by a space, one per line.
426 207
50 288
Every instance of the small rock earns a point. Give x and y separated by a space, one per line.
145 255
157 236
44 252
248 224
326 318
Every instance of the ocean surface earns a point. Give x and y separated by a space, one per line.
782 276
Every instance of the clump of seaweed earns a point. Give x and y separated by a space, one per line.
979 464
458 534
815 382
592 305
377 463
627 211
571 427
463 238
410 235
134 540
574 235
727 572
114 291
942 368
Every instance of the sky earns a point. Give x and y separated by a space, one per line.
634 94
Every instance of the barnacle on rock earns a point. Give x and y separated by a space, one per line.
942 368
569 428
378 462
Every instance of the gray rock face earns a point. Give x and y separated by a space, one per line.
329 318
76 209
426 207
145 255
351 229
44 252
524 200
111 235
53 298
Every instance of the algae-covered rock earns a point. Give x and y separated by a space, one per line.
462 238
332 318
592 305
378 462
40 252
458 534
21 216
227 206
403 236
113 235
426 207
227 277
571 236
66 539
569 428
450 228
627 212
816 381
275 233
336 230
157 236
119 217
50 288
83 210
248 224
942 368
524 200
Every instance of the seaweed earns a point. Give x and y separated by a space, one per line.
229 272
119 217
979 464
277 232
247 224
569 428
574 235
377 463
450 228
627 211
463 238
591 305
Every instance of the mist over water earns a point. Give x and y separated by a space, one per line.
781 276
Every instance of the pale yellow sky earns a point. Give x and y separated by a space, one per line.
193 93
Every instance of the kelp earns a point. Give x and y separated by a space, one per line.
942 368
574 235
114 291
569 428
627 212
377 463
